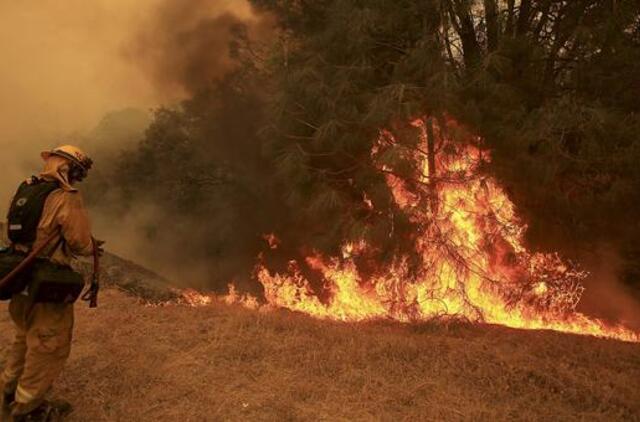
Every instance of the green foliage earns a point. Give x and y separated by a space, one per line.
286 143
340 73
199 166
551 86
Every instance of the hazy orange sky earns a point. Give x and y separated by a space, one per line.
65 63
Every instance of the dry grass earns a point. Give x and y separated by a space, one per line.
138 363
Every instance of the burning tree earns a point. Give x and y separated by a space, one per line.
534 78
410 221
472 262
417 225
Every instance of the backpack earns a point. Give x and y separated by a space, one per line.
26 209
23 219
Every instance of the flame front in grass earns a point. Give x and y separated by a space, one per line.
470 243
195 298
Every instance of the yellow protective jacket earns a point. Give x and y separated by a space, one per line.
63 212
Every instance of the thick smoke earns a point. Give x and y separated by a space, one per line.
185 44
66 64
606 296
85 72
62 69
186 49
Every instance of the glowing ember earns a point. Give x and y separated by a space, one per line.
271 240
470 243
194 298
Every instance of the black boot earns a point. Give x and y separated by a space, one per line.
5 408
7 399
48 411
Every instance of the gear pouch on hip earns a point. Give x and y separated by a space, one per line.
53 283
9 260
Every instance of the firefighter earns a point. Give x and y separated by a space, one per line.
43 330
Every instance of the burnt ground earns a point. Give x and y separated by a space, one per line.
136 362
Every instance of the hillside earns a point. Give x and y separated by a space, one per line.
132 361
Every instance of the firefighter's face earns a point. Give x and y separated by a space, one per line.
74 173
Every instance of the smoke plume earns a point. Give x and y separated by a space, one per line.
62 69
85 72
185 44
66 64
605 296
186 50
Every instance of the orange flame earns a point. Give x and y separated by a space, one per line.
195 298
470 242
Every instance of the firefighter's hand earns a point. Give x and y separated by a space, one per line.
98 244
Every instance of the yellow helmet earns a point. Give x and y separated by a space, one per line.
73 154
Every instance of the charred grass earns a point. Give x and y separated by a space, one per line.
132 362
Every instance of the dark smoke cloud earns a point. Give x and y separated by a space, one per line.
185 48
606 296
67 66
186 44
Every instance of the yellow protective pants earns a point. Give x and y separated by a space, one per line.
41 347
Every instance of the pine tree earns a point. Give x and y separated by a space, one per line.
548 84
